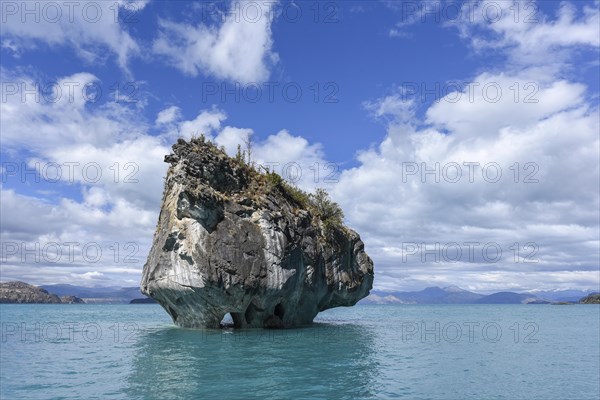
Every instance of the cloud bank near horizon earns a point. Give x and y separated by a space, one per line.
493 187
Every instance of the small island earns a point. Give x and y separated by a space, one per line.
17 292
593 298
232 238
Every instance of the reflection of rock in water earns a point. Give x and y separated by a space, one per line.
233 240
324 361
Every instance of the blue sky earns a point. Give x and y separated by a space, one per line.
386 87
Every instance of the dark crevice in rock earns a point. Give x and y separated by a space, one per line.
170 242
252 313
238 319
187 258
206 209
173 314
279 311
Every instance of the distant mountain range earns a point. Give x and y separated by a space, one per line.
559 295
97 295
456 295
430 295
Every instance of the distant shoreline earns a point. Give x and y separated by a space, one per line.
17 292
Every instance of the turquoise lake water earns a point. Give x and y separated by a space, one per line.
364 352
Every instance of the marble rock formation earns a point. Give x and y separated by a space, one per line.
231 239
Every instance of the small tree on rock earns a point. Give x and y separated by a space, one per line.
327 210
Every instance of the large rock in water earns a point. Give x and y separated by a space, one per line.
232 240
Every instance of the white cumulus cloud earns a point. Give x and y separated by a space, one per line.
237 49
84 26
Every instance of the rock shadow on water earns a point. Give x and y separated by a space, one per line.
321 360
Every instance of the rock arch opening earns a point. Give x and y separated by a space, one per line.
227 321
